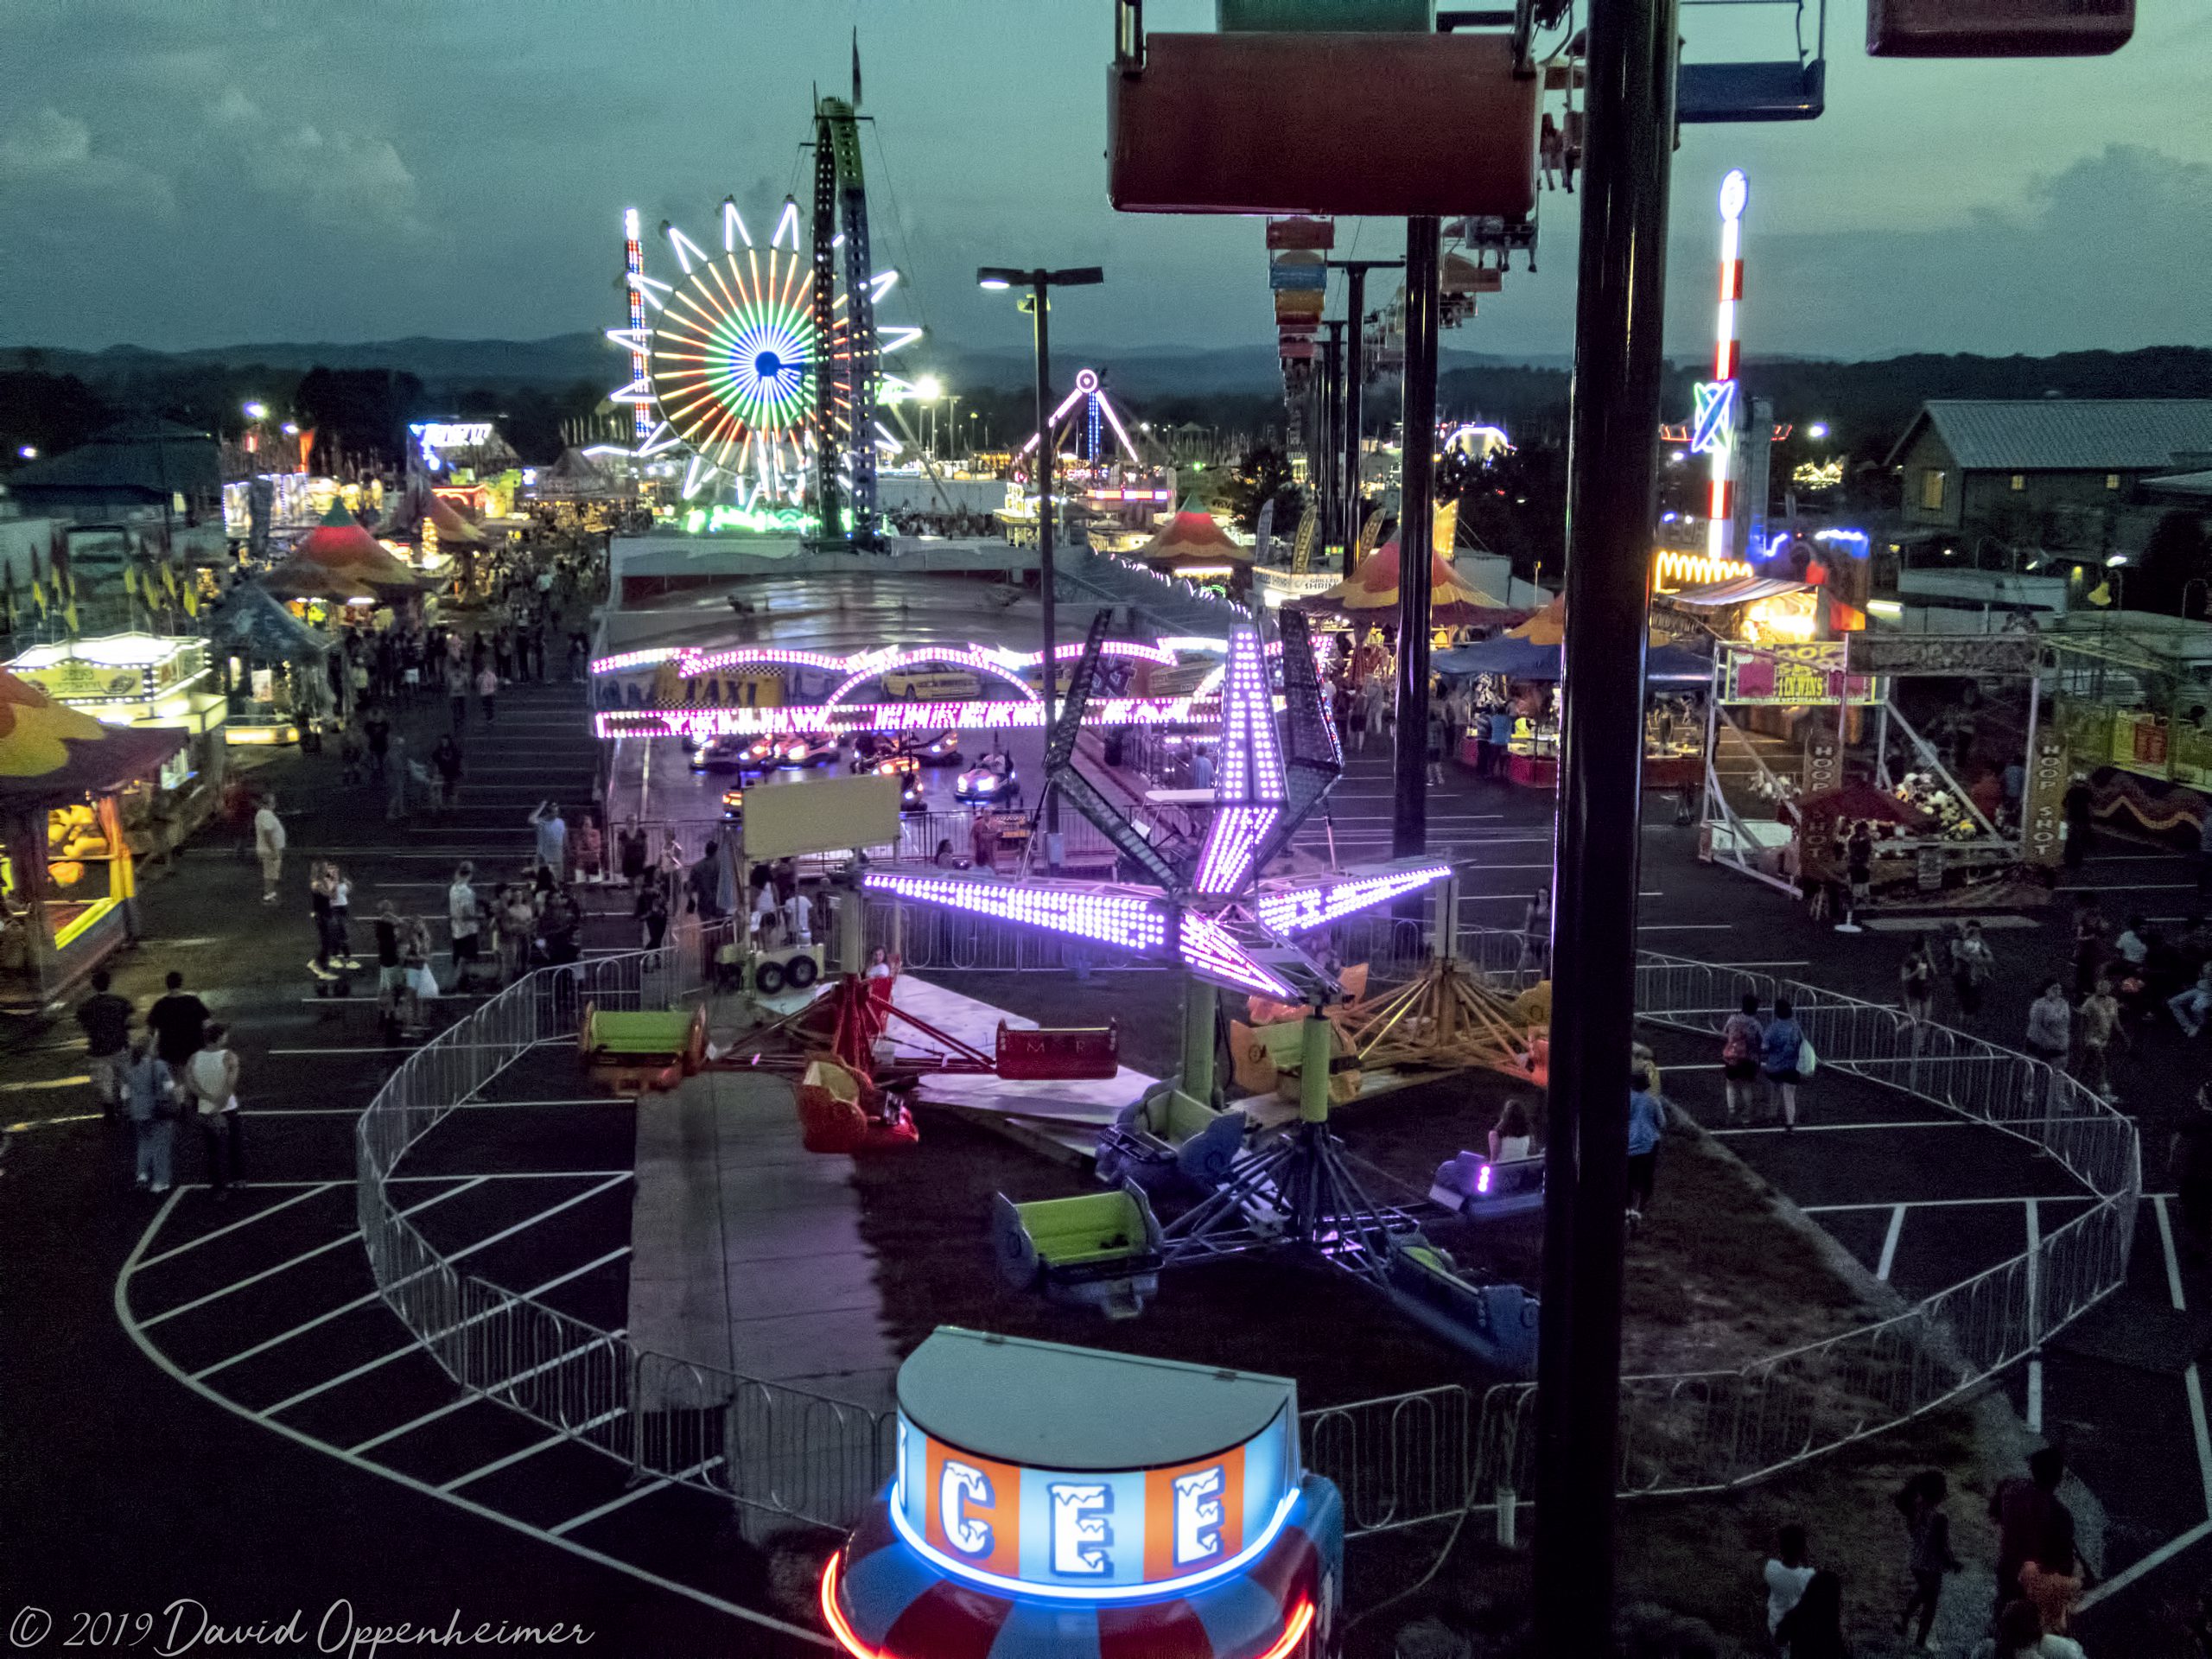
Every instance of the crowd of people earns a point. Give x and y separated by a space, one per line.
175 1067
2039 1571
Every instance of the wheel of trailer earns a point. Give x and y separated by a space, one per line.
768 977
802 972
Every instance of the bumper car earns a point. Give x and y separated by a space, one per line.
988 785
721 754
807 749
943 750
733 806
632 1052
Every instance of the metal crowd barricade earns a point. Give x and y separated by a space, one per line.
1400 1460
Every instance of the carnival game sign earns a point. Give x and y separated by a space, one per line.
1795 676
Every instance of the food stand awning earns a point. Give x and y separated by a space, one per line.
1738 590
1525 660
342 547
50 753
250 622
1370 594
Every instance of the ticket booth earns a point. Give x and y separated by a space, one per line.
1055 1501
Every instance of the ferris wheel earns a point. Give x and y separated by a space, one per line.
725 362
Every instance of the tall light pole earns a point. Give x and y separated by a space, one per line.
1040 281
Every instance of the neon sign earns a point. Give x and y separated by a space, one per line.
710 521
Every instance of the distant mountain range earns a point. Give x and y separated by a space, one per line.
562 360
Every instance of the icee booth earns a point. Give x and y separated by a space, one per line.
1061 1502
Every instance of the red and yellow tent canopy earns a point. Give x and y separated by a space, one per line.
51 753
1370 594
339 560
1192 534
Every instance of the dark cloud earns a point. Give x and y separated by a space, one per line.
228 171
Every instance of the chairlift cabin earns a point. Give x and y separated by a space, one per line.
1794 88
1997 28
1229 122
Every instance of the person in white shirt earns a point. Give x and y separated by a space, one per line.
211 1078
1786 1574
799 918
460 915
268 846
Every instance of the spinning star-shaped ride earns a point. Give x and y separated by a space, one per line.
1209 906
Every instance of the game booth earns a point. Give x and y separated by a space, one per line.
1050 1502
1525 674
67 883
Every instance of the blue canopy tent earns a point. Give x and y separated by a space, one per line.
1523 659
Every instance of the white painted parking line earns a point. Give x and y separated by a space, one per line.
414 1423
631 1496
2130 887
496 1175
320 1250
318 1188
565 1203
514 1457
340 1381
1889 1243
463 1106
1682 927
1946 1204
2192 1379
1845 1128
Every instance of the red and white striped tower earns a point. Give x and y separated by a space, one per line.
1720 510
633 260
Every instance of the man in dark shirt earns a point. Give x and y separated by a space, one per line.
178 1021
2026 1510
107 1020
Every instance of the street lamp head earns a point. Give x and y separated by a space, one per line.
1076 276
291 429
929 388
998 276
1817 430
256 412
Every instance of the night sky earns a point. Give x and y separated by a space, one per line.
196 173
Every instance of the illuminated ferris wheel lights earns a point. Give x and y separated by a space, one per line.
686 249
787 221
733 230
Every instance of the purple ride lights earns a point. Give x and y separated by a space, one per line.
1251 794
1300 910
1123 919
1002 713
1209 950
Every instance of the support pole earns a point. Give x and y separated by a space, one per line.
1199 1040
1047 458
1329 450
1620 305
1416 523
1315 1046
2028 756
1354 387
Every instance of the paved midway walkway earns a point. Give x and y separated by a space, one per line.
746 1247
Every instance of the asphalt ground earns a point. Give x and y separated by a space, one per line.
204 1401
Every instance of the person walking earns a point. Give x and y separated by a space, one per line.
1858 873
2025 1508
1972 963
1916 985
445 760
552 832
149 1101
2020 1634
2189 1006
322 877
105 1020
1536 931
1785 1575
2099 1027
463 923
269 846
1647 1120
376 732
589 848
212 1076
653 914
1435 738
1927 1555
2077 805
488 690
457 695
630 854
518 922
2051 1026
1742 1041
178 1021
391 974
1781 1048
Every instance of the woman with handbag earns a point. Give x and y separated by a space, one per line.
211 1078
1783 1053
